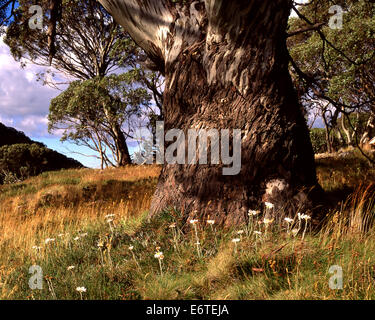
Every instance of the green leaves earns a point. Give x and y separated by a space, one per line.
100 113
24 160
344 64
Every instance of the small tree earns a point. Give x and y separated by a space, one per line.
101 114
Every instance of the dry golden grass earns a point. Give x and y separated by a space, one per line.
54 208
275 265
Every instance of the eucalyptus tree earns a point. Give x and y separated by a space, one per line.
93 112
226 67
85 39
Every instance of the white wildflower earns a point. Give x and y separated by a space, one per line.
303 216
267 221
269 205
253 212
159 255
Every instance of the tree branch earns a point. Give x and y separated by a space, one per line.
147 21
308 28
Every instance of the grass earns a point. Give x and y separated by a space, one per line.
103 241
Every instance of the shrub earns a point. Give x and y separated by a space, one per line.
318 140
21 161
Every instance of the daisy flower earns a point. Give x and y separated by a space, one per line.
159 255
253 212
269 205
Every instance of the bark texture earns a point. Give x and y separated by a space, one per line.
226 67
123 155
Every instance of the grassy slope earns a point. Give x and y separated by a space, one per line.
71 207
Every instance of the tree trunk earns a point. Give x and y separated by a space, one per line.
121 148
328 135
346 131
366 136
226 67
123 157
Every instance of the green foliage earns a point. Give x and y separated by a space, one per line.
83 44
19 161
318 140
96 103
100 113
356 124
344 71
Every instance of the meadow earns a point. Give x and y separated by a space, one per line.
89 232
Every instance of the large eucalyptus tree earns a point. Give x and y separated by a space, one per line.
226 67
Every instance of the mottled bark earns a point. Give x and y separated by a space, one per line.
122 150
226 67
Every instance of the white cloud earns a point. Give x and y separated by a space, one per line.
24 102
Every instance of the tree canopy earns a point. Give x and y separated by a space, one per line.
339 64
100 113
83 47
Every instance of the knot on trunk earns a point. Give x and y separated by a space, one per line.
285 201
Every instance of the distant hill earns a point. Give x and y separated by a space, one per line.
10 136
21 157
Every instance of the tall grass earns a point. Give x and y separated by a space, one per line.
90 229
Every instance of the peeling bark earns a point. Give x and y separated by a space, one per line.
226 67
